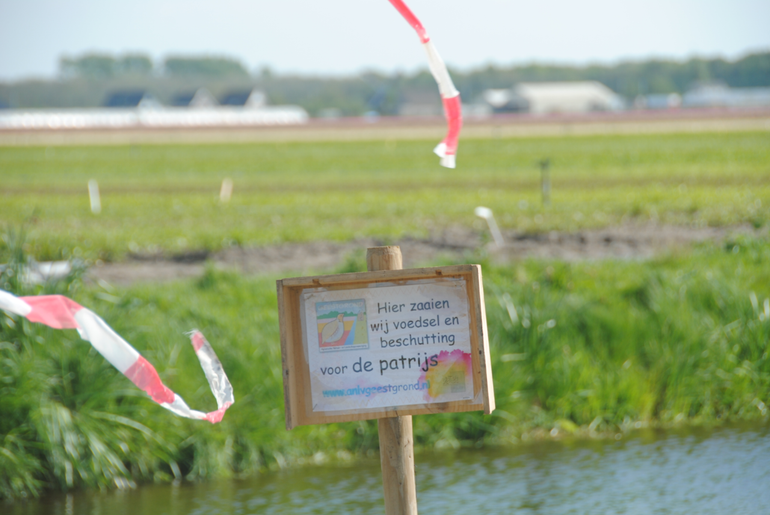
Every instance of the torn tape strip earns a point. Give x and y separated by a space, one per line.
450 97
60 312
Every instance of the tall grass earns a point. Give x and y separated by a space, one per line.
66 418
590 348
615 344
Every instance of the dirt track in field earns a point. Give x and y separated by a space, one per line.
456 244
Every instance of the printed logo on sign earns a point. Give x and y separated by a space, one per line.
448 374
454 380
342 325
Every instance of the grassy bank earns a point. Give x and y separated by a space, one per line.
165 197
585 348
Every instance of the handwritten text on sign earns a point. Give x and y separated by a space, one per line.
388 345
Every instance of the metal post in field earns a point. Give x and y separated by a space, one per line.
545 181
396 440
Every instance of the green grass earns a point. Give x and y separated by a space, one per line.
593 348
589 348
162 197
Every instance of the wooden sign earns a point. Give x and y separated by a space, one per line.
384 344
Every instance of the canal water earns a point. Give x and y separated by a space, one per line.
720 471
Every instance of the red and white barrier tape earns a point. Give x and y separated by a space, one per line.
60 312
450 97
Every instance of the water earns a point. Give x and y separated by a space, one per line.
705 472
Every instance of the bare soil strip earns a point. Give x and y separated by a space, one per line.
455 244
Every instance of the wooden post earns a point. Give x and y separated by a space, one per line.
396 441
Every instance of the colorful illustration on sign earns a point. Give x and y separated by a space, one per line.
414 341
342 325
448 375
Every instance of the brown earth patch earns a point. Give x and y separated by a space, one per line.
456 245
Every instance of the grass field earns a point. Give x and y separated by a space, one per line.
166 197
586 348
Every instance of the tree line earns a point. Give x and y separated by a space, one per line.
85 81
106 66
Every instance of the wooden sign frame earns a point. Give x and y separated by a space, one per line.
296 372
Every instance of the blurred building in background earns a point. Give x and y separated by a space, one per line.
720 95
102 90
200 98
244 98
568 97
131 98
658 101
85 81
505 101
138 109
550 97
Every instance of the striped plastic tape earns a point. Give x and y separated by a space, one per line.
61 312
450 97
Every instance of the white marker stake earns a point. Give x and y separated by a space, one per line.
512 313
226 191
486 214
93 193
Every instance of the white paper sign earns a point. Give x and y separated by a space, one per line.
388 345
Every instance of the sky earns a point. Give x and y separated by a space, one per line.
340 37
